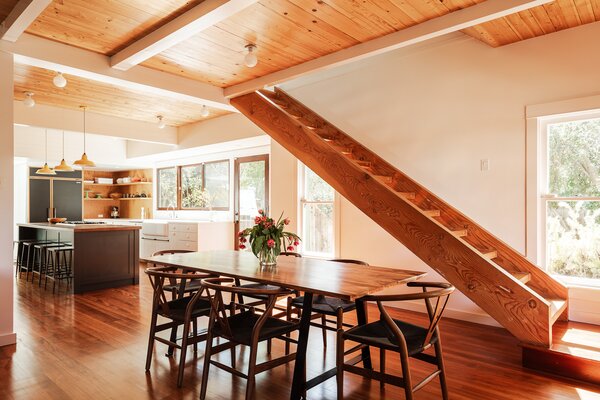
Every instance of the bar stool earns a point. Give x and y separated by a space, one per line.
41 253
26 259
59 266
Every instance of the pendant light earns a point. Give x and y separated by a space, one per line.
84 162
46 170
29 101
161 124
63 166
59 80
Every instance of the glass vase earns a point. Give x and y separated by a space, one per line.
267 257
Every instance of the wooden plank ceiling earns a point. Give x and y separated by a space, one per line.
287 33
103 98
537 21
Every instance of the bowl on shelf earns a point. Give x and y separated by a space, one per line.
56 220
115 196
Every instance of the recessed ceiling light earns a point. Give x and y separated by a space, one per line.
161 123
250 59
29 101
204 112
59 80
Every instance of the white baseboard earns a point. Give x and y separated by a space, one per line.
8 339
477 318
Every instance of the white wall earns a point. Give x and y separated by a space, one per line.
103 150
7 335
436 113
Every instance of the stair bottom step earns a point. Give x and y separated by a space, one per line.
575 353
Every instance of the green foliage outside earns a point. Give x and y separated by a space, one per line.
573 227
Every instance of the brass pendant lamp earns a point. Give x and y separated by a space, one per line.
63 166
46 170
84 161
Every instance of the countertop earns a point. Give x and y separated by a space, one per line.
80 228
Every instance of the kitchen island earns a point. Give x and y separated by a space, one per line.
105 256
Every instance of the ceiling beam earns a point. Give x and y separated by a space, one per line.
203 16
21 16
47 54
452 22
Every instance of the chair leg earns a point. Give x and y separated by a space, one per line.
195 328
382 365
288 318
183 351
207 354
340 364
251 372
324 330
173 339
151 340
406 376
442 368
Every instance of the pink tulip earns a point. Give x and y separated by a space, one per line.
286 221
296 243
261 211
271 243
242 246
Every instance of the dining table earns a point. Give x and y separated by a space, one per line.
313 276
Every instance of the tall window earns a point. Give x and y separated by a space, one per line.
194 187
572 202
317 209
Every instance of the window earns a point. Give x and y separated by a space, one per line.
317 215
571 226
167 187
201 187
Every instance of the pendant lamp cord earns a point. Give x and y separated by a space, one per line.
63 145
84 129
46 140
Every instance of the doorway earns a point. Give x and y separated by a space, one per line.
251 191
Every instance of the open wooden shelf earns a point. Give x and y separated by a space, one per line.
136 198
102 199
118 184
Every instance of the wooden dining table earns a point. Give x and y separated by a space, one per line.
309 275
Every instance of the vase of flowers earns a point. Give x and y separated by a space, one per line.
267 238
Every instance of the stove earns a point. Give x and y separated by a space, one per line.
83 223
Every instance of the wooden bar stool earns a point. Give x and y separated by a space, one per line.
59 266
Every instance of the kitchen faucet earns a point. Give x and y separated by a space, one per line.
172 214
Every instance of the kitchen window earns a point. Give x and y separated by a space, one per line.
317 215
570 225
202 186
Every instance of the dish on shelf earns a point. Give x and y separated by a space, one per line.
115 196
56 220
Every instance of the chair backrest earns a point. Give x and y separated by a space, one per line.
219 308
162 252
290 254
439 295
161 275
350 261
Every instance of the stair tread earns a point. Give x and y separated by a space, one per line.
522 276
460 232
432 213
490 254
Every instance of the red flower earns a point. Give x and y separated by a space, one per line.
242 240
257 220
290 248
286 221
241 233
271 243
296 243
261 211
242 246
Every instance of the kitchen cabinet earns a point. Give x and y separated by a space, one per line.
62 191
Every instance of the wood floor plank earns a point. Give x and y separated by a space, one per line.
92 346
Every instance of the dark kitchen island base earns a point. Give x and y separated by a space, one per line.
105 256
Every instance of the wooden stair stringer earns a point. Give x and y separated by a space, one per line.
517 307
508 258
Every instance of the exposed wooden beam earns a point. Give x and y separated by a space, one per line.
455 21
44 53
21 16
203 16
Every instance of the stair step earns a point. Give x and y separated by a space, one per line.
490 254
460 232
385 179
557 306
432 213
407 195
365 164
522 276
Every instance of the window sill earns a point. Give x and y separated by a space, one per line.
573 281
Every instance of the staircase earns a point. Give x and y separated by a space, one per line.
516 293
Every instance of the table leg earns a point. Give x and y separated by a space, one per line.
299 382
363 318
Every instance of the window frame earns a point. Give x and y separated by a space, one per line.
336 215
178 168
544 197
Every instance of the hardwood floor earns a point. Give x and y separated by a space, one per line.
92 346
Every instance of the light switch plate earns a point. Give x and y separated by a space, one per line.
485 164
